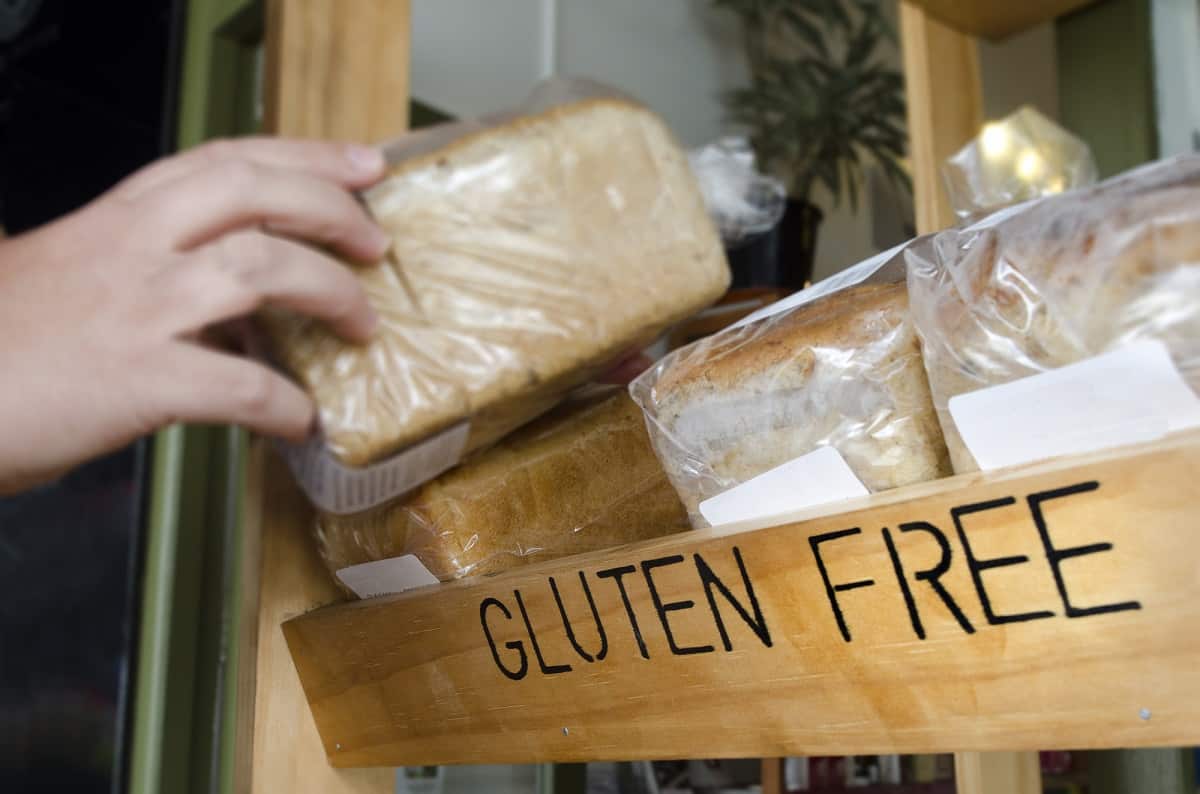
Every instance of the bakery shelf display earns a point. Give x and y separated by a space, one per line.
1048 606
1052 604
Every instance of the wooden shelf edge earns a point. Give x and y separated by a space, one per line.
997 19
1051 606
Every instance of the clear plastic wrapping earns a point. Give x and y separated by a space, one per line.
1061 279
838 365
1021 157
529 252
580 478
741 200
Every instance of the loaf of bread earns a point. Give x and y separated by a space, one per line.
1061 280
581 478
525 258
843 371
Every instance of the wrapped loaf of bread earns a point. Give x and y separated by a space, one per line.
581 478
842 371
1060 280
526 257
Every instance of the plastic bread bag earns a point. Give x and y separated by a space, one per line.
1061 279
1021 157
530 250
741 201
580 478
834 367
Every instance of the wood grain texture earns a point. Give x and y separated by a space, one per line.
945 94
997 773
772 776
997 19
286 748
338 70
945 110
335 70
412 678
945 107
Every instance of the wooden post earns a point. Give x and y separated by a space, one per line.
337 70
945 106
945 110
997 773
334 70
772 776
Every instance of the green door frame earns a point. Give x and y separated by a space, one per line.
185 702
185 693
1106 82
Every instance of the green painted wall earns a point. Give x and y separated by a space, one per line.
205 19
1144 771
1106 82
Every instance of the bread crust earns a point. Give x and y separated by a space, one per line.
843 371
525 259
580 478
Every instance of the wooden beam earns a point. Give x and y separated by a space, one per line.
334 70
945 107
945 110
997 773
772 776
338 70
487 672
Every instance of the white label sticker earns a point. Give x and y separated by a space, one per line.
339 489
818 478
1131 395
385 577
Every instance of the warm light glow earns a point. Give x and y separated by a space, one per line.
1030 165
996 140
1056 185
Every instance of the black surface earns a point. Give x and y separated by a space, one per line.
69 555
83 101
86 96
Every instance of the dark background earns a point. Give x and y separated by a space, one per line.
86 96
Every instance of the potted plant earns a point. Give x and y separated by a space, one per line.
820 106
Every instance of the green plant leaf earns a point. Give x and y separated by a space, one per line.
820 105
806 30
837 14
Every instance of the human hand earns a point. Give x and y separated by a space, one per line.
111 317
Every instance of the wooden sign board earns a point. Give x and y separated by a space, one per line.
1051 607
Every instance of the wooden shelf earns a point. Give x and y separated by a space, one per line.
1052 606
997 19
